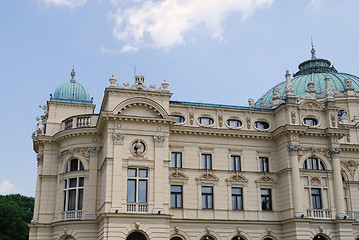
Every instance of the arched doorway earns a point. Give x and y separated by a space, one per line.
136 236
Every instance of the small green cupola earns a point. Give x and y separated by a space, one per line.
71 92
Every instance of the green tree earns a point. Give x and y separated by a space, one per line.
16 212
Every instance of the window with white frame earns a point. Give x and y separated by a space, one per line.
73 194
207 197
207 161
176 159
236 163
263 164
137 184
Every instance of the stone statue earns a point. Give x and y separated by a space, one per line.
40 129
251 102
276 93
46 113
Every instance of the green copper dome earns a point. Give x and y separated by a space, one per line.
71 92
313 70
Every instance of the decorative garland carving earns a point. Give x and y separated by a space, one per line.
248 121
293 116
313 150
191 118
332 118
220 120
351 166
178 175
334 150
83 151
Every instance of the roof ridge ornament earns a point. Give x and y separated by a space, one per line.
313 50
73 75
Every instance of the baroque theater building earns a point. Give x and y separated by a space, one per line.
148 168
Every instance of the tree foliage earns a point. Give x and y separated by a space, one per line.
16 212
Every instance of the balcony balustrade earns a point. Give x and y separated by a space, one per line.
319 213
353 215
80 121
71 215
137 207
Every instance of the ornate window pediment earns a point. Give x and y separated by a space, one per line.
236 179
207 178
266 179
178 177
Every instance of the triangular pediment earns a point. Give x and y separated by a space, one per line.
207 176
178 175
237 178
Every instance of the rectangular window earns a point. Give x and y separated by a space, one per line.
236 163
137 185
263 164
316 198
266 199
207 197
237 198
176 159
207 161
176 196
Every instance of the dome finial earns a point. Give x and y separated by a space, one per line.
73 74
313 50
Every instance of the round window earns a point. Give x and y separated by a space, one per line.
261 125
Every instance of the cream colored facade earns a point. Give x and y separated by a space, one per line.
140 130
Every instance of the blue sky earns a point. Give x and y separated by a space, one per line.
215 51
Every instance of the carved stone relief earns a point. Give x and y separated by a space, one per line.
159 140
248 121
314 181
83 151
294 147
313 150
333 120
191 118
94 151
351 166
118 138
220 120
293 116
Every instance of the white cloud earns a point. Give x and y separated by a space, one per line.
6 187
65 3
166 23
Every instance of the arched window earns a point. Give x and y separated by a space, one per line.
313 164
268 238
207 238
261 125
74 165
69 238
136 236
342 115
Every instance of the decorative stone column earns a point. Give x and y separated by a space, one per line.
296 186
40 160
337 182
118 172
158 174
92 183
